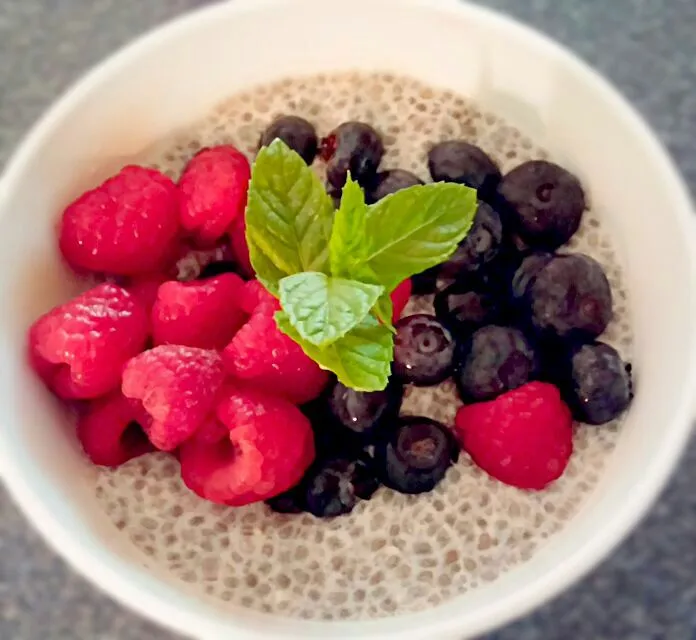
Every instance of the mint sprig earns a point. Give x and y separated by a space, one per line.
322 308
333 272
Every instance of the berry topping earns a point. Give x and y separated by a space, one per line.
416 455
459 161
203 313
400 297
126 226
423 350
354 147
598 385
467 305
545 202
335 486
479 246
109 433
493 360
295 132
527 272
523 438
213 190
79 348
174 390
570 297
391 181
264 448
364 412
240 248
264 356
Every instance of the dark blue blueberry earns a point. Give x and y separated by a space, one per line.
416 455
354 147
363 413
391 181
296 132
597 385
493 360
480 245
525 274
545 203
423 350
569 297
334 486
291 501
459 161
467 305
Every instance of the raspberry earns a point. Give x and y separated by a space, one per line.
260 354
257 299
79 348
109 432
126 226
400 297
240 248
265 449
203 313
144 289
174 389
523 438
213 190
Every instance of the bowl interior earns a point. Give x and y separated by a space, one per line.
175 77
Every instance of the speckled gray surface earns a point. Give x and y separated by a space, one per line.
645 591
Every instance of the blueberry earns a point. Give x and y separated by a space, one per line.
528 270
423 350
354 147
425 282
493 360
364 412
570 297
416 456
391 181
459 161
295 132
213 269
480 245
292 501
467 305
333 487
597 386
544 201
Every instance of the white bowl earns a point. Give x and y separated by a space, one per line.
175 75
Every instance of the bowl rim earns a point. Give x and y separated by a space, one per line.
144 595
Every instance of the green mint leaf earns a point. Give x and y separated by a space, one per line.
324 309
384 310
410 231
361 359
288 216
348 229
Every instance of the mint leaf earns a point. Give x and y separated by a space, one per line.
324 309
408 232
384 310
361 359
348 230
288 216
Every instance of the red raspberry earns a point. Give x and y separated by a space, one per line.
265 357
523 438
109 432
126 226
79 348
400 297
213 190
144 289
174 390
202 313
264 449
240 248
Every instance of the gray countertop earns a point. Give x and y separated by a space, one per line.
647 590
